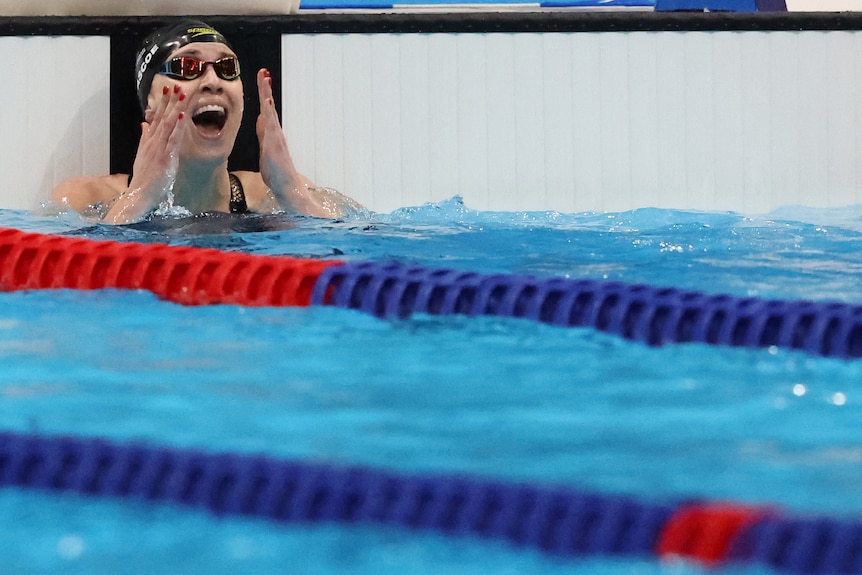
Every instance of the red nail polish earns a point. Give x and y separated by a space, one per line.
176 88
165 90
182 97
266 74
181 115
269 81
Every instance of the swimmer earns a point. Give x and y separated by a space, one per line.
189 90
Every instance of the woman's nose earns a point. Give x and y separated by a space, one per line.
210 79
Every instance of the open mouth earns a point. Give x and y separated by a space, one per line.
210 119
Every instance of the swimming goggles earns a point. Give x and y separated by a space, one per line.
188 68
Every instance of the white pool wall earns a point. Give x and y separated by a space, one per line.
610 121
54 114
823 5
744 121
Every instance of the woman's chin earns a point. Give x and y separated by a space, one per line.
209 145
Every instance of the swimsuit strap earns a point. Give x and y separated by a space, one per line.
238 204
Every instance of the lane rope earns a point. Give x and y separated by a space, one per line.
559 521
643 313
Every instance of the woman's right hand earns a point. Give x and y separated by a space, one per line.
157 159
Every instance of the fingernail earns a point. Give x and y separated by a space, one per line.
176 88
266 74
269 81
165 90
181 115
182 97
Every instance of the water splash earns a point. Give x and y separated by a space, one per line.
168 209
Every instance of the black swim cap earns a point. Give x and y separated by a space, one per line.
164 42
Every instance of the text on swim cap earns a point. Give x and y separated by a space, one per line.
201 32
147 59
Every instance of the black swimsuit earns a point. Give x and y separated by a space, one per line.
237 204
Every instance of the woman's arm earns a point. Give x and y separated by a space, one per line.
93 195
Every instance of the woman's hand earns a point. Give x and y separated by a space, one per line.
276 165
293 191
157 159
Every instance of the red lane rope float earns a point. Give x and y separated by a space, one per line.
185 275
706 532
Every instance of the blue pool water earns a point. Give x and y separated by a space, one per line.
489 397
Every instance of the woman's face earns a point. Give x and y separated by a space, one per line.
215 105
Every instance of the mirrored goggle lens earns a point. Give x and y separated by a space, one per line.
186 68
227 68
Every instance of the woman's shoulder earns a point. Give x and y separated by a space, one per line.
80 193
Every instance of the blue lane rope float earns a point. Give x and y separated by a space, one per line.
643 313
559 521
711 5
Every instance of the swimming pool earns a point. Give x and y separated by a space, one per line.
491 398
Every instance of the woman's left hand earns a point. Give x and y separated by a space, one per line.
276 165
292 190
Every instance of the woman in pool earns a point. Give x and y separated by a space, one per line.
189 90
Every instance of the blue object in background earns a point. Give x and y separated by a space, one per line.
345 4
659 5
386 4
771 6
713 5
596 3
